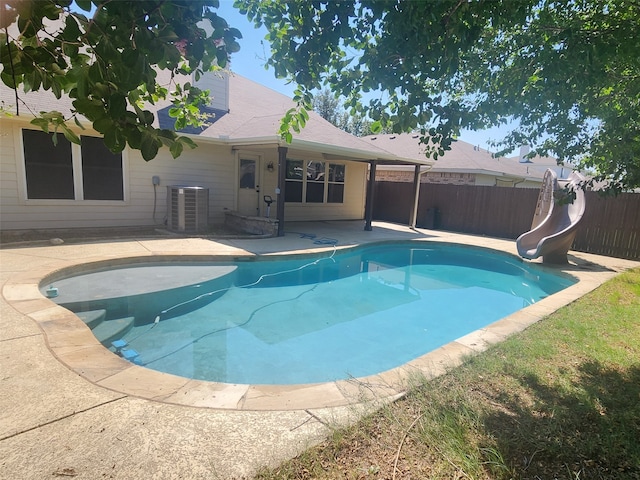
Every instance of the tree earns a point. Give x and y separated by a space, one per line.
567 70
105 55
328 107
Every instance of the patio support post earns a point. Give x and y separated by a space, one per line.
416 195
282 175
368 214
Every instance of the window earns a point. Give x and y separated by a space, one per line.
48 168
315 182
101 171
69 172
335 192
247 173
293 181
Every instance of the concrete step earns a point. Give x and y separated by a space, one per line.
110 330
92 317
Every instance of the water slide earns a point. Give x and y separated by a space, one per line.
554 226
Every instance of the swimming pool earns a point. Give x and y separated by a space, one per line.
304 319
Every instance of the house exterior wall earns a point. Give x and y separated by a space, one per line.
491 180
270 179
215 167
209 166
452 178
352 207
429 177
395 176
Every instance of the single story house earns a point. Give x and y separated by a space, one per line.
240 164
464 164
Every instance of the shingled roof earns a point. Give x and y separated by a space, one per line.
463 157
253 118
254 115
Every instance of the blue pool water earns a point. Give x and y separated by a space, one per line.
317 319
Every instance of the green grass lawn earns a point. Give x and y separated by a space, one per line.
558 401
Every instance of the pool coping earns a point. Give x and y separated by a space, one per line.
73 344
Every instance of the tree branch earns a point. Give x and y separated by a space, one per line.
13 72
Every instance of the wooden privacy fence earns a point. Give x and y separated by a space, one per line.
610 226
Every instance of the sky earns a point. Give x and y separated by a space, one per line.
250 60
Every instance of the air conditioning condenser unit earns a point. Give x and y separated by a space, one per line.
188 208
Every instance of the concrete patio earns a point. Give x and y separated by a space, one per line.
68 407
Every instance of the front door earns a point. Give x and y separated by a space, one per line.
249 186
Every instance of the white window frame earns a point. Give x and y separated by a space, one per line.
327 163
78 188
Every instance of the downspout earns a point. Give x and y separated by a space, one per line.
282 173
368 214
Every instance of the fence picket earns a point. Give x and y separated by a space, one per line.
610 226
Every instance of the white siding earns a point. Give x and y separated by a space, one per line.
8 174
485 180
270 179
209 166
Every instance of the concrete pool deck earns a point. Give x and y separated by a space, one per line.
69 407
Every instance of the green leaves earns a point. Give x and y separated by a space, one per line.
115 140
376 127
329 107
177 146
566 73
54 122
150 144
84 5
108 64
296 118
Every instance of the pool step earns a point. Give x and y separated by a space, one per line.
110 330
92 317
